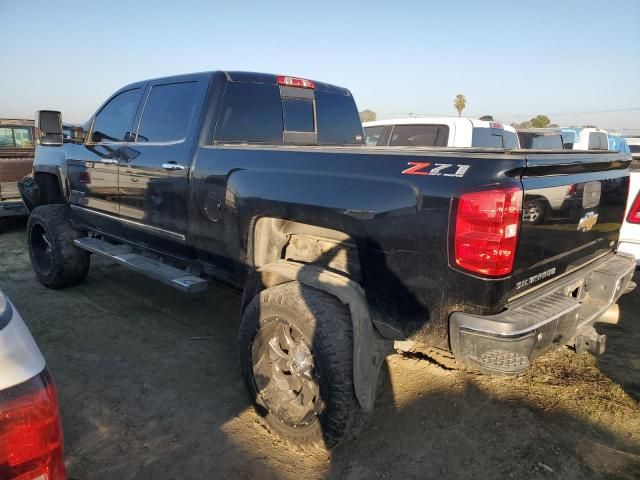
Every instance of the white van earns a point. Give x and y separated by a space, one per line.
440 132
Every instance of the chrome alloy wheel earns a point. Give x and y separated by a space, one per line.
283 370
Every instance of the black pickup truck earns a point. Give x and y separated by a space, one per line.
262 181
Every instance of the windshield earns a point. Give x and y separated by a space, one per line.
16 137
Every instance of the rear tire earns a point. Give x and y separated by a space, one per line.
534 212
55 259
291 328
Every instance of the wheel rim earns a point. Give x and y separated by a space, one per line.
41 250
531 212
283 370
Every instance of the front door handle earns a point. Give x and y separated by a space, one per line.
172 166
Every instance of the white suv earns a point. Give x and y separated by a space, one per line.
440 132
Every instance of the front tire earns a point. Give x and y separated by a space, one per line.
296 352
55 259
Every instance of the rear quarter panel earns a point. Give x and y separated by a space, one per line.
399 221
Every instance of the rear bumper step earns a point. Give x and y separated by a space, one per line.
562 313
124 255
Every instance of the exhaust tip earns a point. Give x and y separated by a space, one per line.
611 316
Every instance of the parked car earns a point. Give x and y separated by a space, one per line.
30 428
634 146
17 148
630 232
262 181
617 143
541 138
588 138
440 132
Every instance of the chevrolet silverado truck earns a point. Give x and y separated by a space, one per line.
17 150
263 182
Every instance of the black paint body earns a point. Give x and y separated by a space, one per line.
400 223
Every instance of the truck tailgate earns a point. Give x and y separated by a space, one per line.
573 210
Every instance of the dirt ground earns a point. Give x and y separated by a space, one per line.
149 387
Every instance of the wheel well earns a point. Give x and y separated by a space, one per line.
277 239
49 189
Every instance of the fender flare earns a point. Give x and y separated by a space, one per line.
369 348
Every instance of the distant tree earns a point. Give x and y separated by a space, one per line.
554 125
367 116
589 126
525 124
460 103
541 121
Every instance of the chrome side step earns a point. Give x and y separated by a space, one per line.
124 255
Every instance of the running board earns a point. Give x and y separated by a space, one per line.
124 255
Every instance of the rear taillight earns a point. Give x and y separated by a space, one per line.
634 213
485 226
30 432
295 82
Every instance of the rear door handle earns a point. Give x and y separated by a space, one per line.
172 166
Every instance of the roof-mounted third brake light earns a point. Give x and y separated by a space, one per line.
295 82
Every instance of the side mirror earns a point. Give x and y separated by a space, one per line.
49 127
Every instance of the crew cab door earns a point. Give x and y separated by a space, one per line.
154 172
92 167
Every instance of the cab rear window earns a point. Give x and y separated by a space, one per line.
257 113
493 138
547 142
420 135
598 141
16 137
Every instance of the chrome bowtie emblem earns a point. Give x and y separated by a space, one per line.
587 222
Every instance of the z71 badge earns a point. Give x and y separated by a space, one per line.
436 169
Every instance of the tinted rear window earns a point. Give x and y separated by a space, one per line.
420 135
250 113
338 119
256 113
634 148
598 141
493 138
168 112
298 114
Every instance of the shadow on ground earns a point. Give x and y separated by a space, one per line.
150 387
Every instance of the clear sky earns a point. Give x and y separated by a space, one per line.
510 59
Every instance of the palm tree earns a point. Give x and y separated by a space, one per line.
460 102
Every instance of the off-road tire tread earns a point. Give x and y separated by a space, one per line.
332 345
70 264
